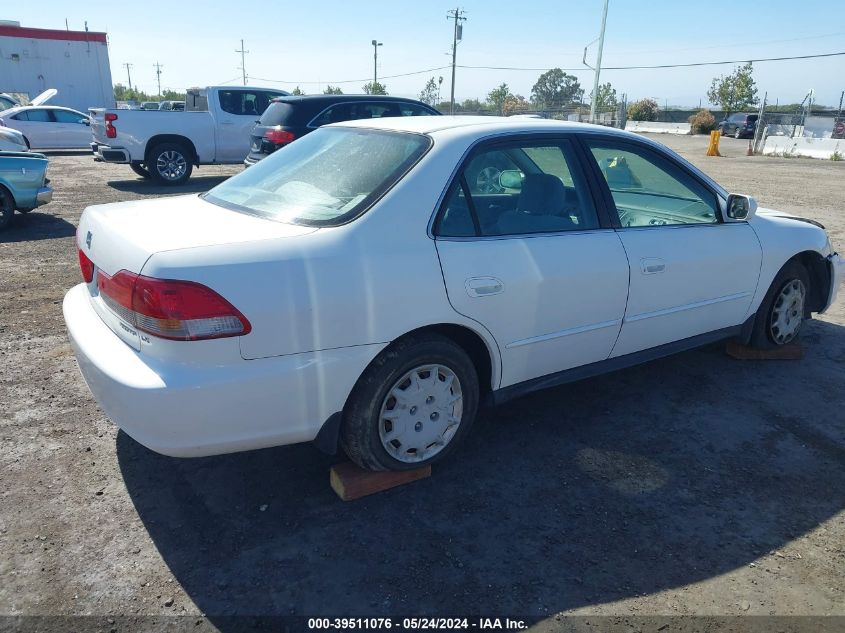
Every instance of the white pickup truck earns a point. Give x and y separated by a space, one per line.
166 144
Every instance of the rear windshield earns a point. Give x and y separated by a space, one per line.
326 178
277 113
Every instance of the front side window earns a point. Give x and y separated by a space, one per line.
325 178
650 190
411 109
516 190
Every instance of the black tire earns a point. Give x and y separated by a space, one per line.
359 434
7 207
765 335
170 163
143 172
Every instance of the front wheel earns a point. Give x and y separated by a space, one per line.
784 309
412 406
7 208
170 164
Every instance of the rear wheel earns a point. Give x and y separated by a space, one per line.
7 208
170 163
783 311
412 406
143 172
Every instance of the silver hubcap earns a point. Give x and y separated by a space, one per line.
487 180
788 312
421 413
171 165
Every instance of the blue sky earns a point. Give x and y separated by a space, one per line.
330 41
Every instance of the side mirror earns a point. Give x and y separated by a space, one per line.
511 179
85 121
741 207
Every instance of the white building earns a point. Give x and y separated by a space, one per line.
76 63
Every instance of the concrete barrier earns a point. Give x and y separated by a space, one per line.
657 127
804 146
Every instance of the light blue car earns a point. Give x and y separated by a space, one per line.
23 184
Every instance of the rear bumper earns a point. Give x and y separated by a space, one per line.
185 409
253 158
108 154
837 274
45 195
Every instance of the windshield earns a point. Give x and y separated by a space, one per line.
326 178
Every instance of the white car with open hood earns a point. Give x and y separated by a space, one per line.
371 284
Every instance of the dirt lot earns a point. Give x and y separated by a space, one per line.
692 485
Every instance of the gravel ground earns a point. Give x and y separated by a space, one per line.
693 485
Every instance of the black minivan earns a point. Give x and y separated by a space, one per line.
288 118
739 125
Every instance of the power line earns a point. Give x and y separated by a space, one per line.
658 66
351 81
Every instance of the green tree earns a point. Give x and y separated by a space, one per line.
296 91
471 105
606 99
374 88
430 95
332 90
497 98
734 92
555 89
172 95
643 110
514 104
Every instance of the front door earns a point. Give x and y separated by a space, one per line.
523 253
691 272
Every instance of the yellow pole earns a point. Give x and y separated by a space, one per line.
713 148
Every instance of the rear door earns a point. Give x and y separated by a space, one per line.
237 113
539 270
691 272
38 127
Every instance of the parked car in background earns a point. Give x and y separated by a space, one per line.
172 105
7 101
292 117
150 105
49 127
739 125
12 140
355 284
23 184
166 145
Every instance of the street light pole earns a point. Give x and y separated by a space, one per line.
598 65
375 61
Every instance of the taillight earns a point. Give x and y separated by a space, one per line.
111 130
279 136
171 309
86 266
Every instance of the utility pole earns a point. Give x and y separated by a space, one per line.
243 59
458 16
375 62
128 76
598 65
158 68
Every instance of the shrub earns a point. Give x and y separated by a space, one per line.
837 155
702 122
643 110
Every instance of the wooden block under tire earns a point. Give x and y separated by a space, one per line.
350 481
791 351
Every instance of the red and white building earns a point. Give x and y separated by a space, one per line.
76 63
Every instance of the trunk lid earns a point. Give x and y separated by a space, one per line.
44 97
123 236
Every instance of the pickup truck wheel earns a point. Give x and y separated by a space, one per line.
412 405
143 172
784 308
170 163
7 208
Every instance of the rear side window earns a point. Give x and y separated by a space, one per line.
411 109
519 189
325 178
245 102
39 116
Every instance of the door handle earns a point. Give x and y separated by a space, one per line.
652 265
227 122
484 286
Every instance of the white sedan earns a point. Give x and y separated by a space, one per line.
49 127
372 283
